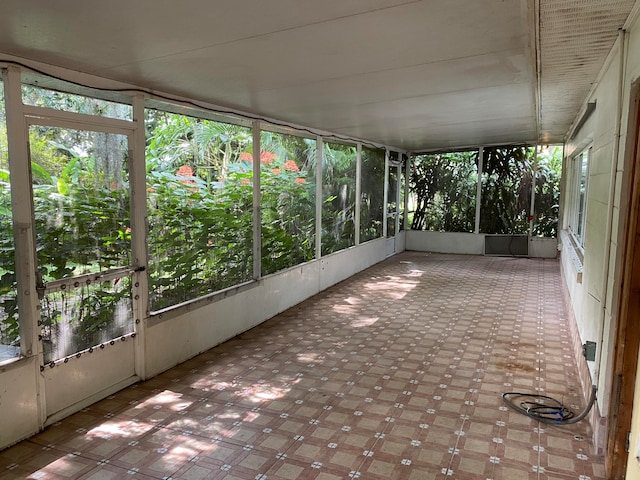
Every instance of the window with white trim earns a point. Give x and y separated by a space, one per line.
580 177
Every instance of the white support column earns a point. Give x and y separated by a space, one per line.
385 200
139 253
532 208
23 229
22 207
407 177
479 188
319 156
358 192
257 216
398 188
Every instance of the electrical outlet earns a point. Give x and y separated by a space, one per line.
589 351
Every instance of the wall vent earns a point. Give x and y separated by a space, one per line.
506 245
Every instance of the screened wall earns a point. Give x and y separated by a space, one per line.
225 201
459 192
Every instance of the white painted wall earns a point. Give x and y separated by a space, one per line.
169 340
470 243
445 242
595 294
19 412
587 300
541 247
401 241
85 380
632 74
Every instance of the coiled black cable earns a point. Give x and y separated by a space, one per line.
546 409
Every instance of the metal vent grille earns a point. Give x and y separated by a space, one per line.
510 245
575 39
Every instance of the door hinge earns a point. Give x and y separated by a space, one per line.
627 443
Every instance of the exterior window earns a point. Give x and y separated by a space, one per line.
199 207
288 210
9 327
372 194
581 180
338 196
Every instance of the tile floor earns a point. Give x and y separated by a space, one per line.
396 373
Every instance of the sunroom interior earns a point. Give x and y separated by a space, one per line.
176 174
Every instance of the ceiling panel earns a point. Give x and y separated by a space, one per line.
490 70
88 36
415 74
464 113
382 40
575 39
467 134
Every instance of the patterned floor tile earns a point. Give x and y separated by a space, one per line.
396 373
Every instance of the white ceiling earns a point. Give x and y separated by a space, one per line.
414 74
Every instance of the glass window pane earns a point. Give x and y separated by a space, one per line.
506 190
547 200
372 194
338 196
443 187
288 209
200 207
69 102
9 328
583 163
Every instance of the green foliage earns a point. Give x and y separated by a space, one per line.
42 97
199 201
506 189
508 175
200 205
82 226
199 177
338 197
73 320
46 160
200 237
444 186
81 213
372 194
287 202
9 327
547 202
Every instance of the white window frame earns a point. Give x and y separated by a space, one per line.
579 180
